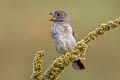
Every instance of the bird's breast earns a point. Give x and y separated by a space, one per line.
63 38
61 29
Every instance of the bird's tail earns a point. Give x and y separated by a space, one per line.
78 65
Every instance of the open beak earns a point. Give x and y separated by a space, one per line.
53 18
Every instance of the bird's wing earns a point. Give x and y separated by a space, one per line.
73 32
67 27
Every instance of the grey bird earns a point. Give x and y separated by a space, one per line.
63 35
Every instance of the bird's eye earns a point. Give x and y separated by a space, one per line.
58 14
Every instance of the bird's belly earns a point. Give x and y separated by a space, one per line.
64 43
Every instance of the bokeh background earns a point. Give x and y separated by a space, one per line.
25 29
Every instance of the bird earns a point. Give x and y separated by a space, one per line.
63 35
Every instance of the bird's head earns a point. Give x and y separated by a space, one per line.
59 16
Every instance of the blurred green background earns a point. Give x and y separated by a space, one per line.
25 29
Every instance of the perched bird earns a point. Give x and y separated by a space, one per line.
63 35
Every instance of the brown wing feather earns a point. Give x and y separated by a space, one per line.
73 32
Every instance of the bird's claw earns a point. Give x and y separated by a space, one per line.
82 59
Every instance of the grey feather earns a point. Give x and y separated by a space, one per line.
63 36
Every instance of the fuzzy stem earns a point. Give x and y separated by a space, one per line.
63 61
37 65
100 31
52 73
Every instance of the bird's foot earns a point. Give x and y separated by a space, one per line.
82 59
